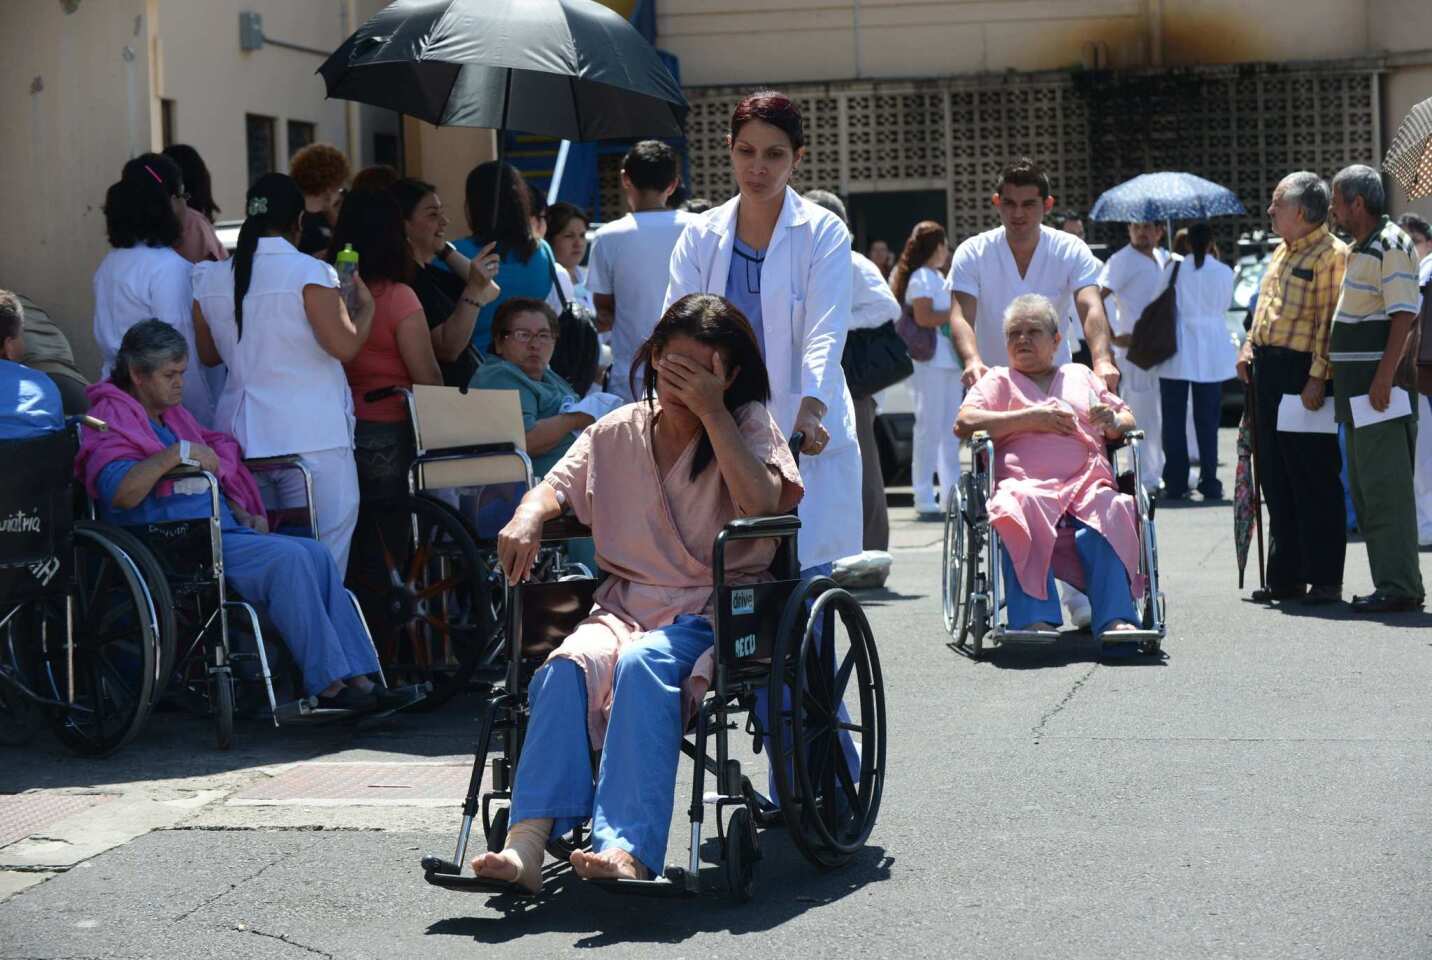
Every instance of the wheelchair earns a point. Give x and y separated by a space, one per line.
804 641
970 589
215 655
81 640
425 571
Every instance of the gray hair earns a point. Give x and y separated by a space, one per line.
1032 306
1360 180
830 201
1310 192
147 346
12 315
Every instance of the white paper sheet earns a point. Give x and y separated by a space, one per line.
1293 417
1400 405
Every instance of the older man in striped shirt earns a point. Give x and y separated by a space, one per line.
1372 331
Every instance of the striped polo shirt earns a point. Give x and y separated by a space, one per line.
1380 280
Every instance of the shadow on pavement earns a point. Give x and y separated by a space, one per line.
1074 646
786 886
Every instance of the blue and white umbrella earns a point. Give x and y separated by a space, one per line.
1160 197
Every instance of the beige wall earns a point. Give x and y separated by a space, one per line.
753 41
74 111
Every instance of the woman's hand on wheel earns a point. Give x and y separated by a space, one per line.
518 543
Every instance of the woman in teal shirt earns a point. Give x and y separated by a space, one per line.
527 267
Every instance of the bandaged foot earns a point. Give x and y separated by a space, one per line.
1119 626
1042 626
520 861
613 864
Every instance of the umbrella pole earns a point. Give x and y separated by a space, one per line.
1252 404
501 155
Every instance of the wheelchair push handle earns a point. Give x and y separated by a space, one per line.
382 393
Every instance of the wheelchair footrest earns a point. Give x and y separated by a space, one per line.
448 875
1027 636
676 883
1132 636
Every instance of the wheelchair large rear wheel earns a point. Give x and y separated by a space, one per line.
108 677
828 738
953 595
423 588
152 573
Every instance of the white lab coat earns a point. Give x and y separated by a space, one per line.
805 309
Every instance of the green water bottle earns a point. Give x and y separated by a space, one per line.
347 265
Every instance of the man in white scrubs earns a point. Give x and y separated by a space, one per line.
1024 256
1421 233
1135 276
628 265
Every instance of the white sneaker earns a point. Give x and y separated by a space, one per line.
865 570
1077 606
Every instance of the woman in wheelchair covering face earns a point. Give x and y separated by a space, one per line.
293 581
1051 425
656 481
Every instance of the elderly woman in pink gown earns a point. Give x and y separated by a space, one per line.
656 481
1056 507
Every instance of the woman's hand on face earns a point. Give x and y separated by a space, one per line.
701 391
1050 417
518 543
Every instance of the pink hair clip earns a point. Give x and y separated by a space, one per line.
157 178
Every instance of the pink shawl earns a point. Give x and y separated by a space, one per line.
130 437
1041 477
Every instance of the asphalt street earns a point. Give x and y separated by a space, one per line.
1260 791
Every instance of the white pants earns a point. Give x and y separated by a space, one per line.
1422 472
335 499
1140 390
938 393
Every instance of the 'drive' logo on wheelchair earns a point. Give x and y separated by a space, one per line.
743 602
21 522
746 646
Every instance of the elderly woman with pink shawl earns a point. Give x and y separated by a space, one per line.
656 481
294 581
1056 507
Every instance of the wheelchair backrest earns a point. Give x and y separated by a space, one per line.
448 419
748 620
36 498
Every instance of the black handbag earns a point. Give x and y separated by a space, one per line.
1155 335
875 358
578 351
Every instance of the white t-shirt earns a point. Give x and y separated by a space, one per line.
871 302
984 268
1136 280
629 261
927 282
142 283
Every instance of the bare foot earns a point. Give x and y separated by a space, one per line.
1041 626
506 867
1119 626
613 864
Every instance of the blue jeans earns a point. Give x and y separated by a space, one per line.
1207 405
1106 583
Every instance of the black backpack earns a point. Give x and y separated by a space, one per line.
578 350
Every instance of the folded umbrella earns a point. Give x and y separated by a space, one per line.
1409 159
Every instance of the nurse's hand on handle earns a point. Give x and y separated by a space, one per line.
974 369
1106 370
808 423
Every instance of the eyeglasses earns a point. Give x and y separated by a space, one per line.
524 337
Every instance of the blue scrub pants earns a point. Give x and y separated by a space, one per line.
1106 583
294 582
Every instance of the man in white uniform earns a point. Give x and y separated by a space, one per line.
1071 222
1135 276
628 265
1023 256
1421 233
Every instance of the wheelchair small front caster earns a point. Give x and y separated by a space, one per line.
740 855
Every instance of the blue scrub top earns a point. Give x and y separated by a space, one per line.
153 508
517 279
29 403
743 286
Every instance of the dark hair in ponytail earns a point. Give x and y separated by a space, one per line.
1200 238
717 323
274 204
139 208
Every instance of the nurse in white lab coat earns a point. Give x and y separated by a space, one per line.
785 262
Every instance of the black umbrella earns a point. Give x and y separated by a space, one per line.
571 69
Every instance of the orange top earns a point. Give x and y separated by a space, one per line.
379 364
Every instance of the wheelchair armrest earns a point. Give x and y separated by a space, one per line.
383 393
285 461
467 453
185 472
755 528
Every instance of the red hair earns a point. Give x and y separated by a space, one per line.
771 107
